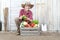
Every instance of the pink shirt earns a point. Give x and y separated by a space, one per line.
28 14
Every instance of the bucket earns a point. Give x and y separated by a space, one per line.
44 27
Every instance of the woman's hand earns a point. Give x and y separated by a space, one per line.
20 17
29 19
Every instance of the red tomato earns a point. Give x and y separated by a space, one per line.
32 24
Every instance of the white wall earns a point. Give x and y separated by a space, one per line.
58 13
0 10
54 15
47 10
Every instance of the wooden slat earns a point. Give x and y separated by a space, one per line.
5 18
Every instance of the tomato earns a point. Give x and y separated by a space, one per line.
32 24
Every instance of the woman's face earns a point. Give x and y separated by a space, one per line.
27 7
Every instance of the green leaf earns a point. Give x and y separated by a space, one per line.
35 21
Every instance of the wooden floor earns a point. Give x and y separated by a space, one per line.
43 36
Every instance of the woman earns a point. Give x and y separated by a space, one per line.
25 11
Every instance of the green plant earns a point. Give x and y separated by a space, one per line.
35 21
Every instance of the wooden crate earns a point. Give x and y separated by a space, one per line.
30 31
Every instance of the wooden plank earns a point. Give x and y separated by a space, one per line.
5 18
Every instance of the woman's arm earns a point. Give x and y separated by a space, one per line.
21 13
